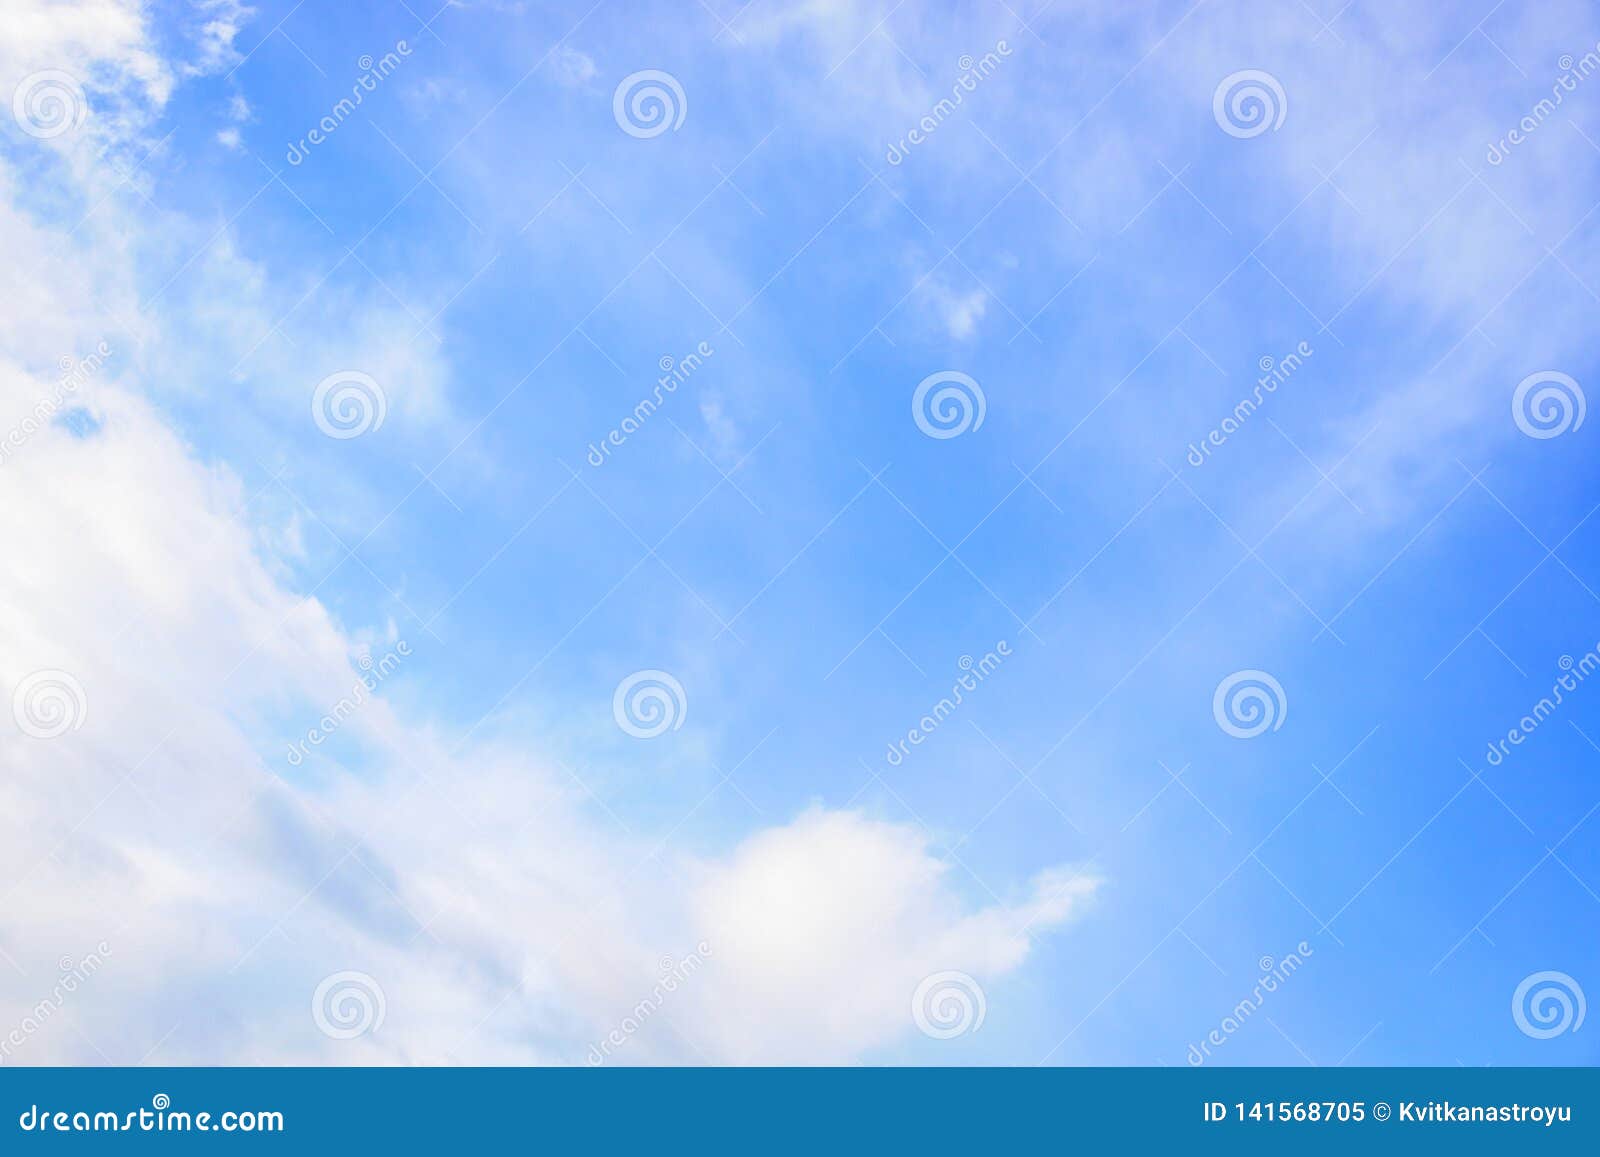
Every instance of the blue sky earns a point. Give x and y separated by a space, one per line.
1110 253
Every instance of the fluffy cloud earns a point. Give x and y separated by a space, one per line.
108 38
502 922
141 595
822 929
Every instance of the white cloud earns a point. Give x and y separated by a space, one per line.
724 431
821 930
104 37
174 842
958 312
221 22
572 67
504 920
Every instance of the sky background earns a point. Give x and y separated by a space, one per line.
482 862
